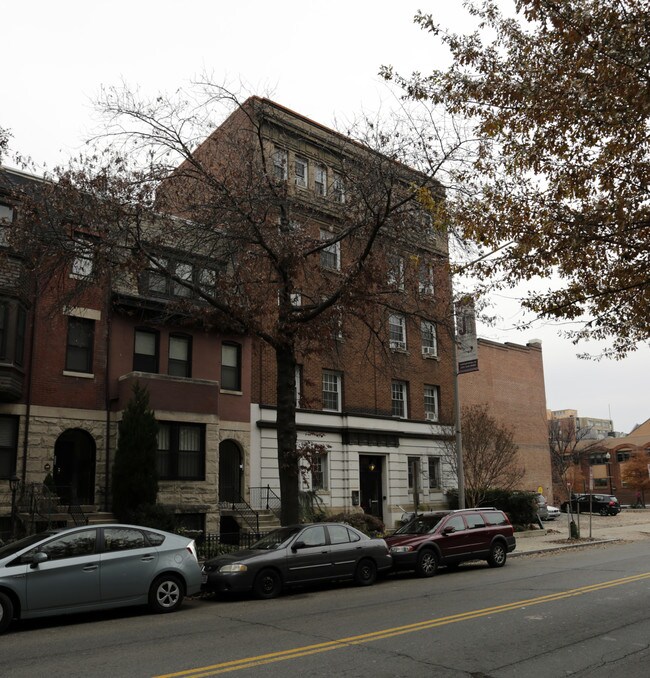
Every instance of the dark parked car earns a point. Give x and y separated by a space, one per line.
605 504
451 537
298 554
95 568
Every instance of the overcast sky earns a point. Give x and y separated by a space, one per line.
319 58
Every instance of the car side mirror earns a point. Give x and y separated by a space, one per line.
298 545
38 558
449 529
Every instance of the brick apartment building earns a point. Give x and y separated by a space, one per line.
511 381
381 406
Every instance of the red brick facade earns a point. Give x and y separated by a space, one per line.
510 380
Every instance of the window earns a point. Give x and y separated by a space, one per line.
231 367
157 280
314 536
79 351
396 271
429 339
4 322
434 473
623 455
123 539
319 472
6 217
145 353
431 402
413 471
180 356
397 330
425 278
19 349
330 256
456 522
338 534
399 399
320 180
474 520
70 546
181 451
208 280
280 164
83 262
184 272
332 391
338 188
8 445
301 172
298 380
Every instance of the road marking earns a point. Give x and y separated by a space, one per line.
295 653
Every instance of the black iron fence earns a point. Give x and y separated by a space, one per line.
211 545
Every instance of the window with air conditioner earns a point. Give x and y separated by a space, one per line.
429 339
397 332
431 397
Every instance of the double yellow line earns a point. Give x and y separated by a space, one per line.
305 651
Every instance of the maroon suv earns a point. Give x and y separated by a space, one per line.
450 537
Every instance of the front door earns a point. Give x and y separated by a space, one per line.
371 484
74 467
230 471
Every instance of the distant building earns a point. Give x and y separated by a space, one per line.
510 379
588 428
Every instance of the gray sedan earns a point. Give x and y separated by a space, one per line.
95 568
299 554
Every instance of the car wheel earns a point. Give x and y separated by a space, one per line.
267 584
427 564
166 593
603 511
6 611
366 573
498 555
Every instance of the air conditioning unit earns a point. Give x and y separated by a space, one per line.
431 416
429 350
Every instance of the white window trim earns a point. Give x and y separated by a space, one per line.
339 383
429 351
435 415
397 344
404 399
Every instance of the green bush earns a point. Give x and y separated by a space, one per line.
152 515
370 525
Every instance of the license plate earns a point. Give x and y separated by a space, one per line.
204 579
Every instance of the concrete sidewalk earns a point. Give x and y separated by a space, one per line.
629 525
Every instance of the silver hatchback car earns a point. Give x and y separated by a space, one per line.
95 568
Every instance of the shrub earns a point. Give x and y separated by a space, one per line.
370 525
521 507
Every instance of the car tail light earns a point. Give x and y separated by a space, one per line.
191 547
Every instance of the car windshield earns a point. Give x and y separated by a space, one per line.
275 539
15 546
420 525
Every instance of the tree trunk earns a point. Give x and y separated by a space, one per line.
286 434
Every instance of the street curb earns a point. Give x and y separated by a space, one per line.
563 547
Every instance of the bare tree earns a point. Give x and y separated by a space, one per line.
489 454
170 201
567 449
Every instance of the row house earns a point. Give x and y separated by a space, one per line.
67 367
